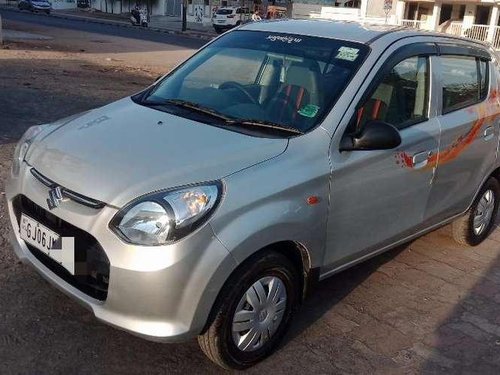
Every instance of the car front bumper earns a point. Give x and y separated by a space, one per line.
160 293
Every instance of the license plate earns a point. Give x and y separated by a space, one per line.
49 242
221 21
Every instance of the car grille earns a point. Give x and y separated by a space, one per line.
78 198
91 263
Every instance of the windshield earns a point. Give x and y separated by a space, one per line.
287 80
224 11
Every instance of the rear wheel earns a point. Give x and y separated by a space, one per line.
253 312
475 226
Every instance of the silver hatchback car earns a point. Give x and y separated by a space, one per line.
279 154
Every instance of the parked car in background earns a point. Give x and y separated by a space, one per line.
227 18
282 153
35 5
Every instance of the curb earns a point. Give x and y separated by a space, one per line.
103 21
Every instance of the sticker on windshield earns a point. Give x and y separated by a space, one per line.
283 39
347 53
309 110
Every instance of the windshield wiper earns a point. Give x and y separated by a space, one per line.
191 106
227 120
265 124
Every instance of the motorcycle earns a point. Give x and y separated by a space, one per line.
139 17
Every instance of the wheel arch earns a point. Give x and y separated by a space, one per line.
294 251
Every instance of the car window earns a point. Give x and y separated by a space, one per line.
402 97
464 81
224 11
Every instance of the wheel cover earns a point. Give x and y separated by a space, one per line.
259 313
484 212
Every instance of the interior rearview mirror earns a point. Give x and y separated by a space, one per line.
375 135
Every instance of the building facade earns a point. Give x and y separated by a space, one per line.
477 20
474 19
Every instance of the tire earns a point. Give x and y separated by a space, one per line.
217 340
463 228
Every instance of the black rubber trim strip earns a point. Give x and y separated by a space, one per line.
384 33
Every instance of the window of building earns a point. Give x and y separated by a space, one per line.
402 97
465 81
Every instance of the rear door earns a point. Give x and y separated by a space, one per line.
468 116
378 197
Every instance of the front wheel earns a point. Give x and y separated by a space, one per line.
253 312
475 226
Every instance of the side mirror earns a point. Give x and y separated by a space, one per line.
376 135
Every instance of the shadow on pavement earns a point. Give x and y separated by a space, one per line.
334 289
467 341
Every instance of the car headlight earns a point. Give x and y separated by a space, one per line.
161 218
23 146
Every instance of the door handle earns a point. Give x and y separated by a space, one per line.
420 160
489 132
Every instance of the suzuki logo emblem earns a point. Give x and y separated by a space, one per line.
55 197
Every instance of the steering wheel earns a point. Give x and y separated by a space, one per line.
241 88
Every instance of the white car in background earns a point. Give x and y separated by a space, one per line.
229 17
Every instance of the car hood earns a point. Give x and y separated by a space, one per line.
124 150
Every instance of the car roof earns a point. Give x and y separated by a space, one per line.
353 31
345 30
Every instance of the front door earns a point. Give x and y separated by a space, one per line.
378 197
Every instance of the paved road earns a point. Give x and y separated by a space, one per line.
113 30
